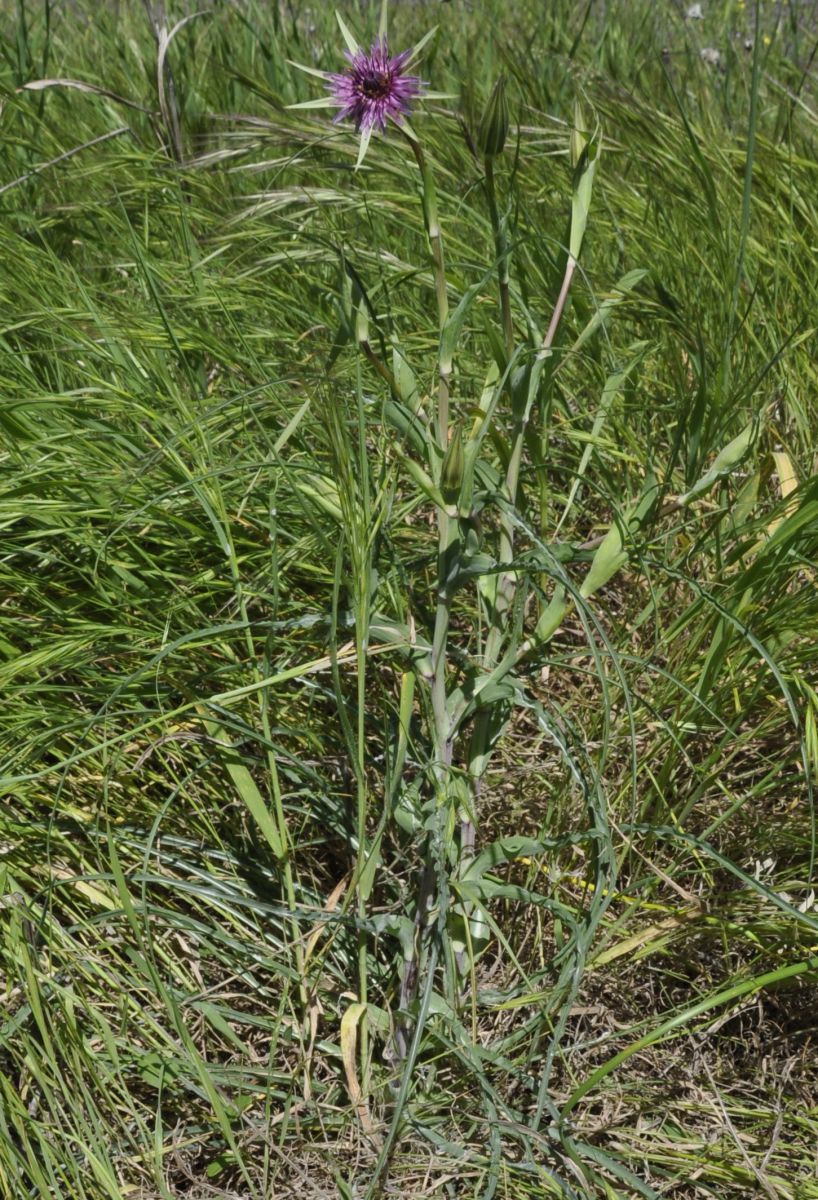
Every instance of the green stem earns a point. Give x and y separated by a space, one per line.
506 583
504 595
559 307
448 532
360 654
545 352
362 566
448 541
505 587
436 243
501 253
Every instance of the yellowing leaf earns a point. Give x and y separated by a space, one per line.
349 1043
787 478
787 481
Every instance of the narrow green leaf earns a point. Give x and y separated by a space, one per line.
551 616
366 879
291 426
454 323
502 851
247 790
726 462
611 554
582 192
613 386
679 1022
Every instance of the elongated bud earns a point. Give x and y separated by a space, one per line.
451 473
493 131
579 137
361 322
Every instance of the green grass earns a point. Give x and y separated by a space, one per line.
196 476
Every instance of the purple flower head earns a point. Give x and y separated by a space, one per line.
374 87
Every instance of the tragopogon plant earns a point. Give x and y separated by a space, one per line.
466 467
480 463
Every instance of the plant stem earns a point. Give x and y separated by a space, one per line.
545 353
448 532
504 595
448 539
501 253
362 566
436 243
506 583
448 542
361 803
559 307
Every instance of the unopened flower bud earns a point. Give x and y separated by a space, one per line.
451 473
493 131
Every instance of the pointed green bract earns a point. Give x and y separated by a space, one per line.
352 44
319 102
308 70
418 48
363 145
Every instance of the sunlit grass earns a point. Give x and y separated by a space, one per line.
179 932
